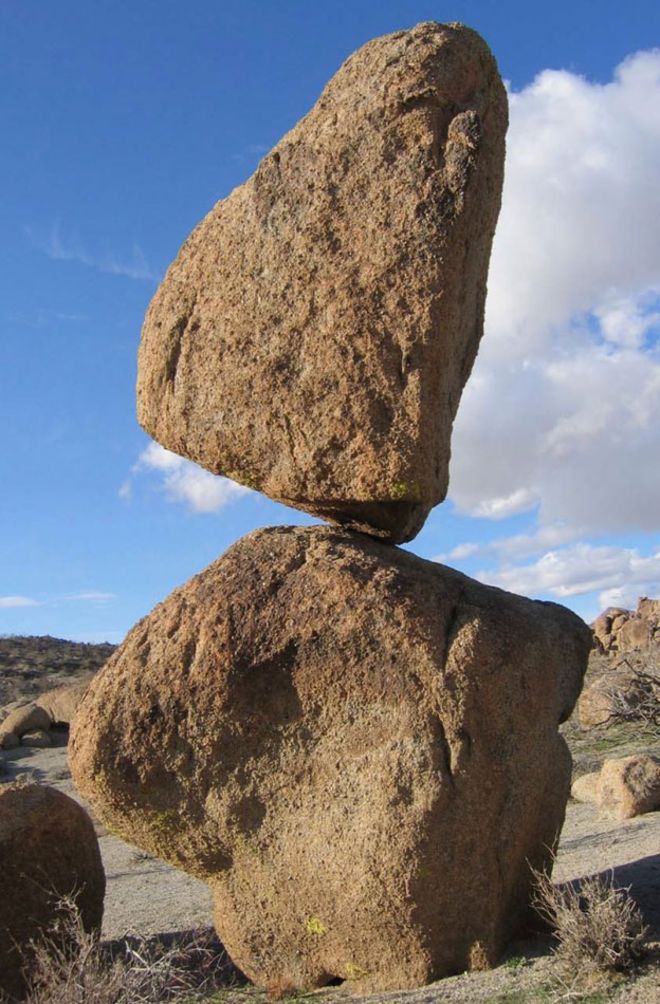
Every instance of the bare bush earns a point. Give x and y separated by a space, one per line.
598 927
84 972
639 702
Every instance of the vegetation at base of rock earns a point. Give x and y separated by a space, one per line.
142 972
599 930
49 851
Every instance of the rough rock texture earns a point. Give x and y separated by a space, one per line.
619 630
313 336
629 786
26 718
598 703
356 748
48 850
62 703
585 788
8 739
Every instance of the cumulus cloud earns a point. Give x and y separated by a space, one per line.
184 481
562 412
8 602
618 573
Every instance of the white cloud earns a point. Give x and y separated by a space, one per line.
627 322
59 248
184 481
91 597
563 409
517 547
579 569
7 602
519 500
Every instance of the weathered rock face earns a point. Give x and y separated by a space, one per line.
26 718
48 851
313 336
617 630
629 786
586 787
356 748
62 703
600 701
622 788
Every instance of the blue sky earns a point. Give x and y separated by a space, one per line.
122 124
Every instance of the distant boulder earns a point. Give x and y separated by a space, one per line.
585 788
8 739
62 703
617 630
26 718
622 788
602 701
629 786
30 723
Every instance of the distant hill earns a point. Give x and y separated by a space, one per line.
29 665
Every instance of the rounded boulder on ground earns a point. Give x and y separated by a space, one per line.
26 718
62 703
585 788
356 748
629 786
48 852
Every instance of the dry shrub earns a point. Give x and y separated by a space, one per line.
639 701
84 972
598 927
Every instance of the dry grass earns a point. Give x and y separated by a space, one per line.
599 931
71 967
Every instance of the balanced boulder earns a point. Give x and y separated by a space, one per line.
48 853
313 337
356 748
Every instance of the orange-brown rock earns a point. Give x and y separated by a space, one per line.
314 334
26 718
629 786
61 703
355 747
586 787
607 694
620 631
48 851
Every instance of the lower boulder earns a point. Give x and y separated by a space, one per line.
356 748
49 852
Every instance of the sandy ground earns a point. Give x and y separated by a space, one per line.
146 896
